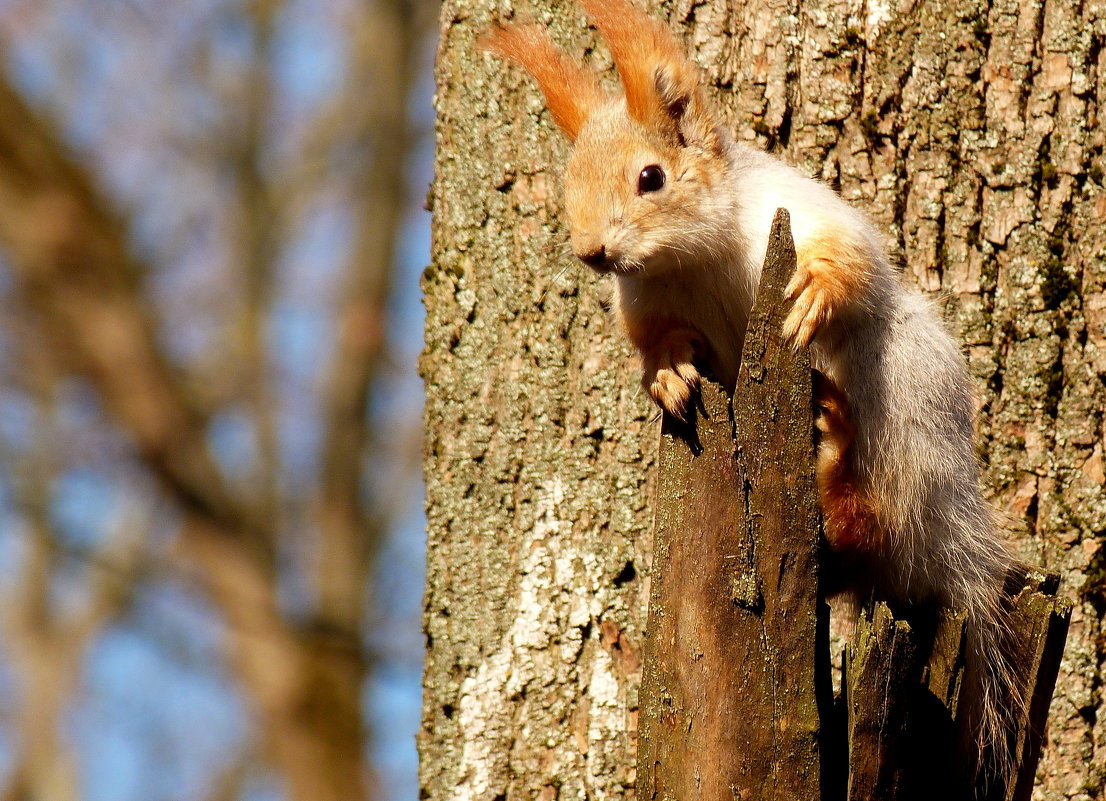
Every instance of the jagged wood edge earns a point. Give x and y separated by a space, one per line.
721 728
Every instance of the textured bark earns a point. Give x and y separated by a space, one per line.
902 697
539 449
1042 621
968 131
878 684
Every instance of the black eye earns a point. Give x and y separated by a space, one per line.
650 179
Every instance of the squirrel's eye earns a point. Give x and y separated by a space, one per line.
650 179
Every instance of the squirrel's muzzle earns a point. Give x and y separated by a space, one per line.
594 257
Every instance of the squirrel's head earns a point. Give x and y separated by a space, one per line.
640 181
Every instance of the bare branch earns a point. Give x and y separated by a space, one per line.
72 262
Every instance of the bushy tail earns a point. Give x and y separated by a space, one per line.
992 700
914 461
899 483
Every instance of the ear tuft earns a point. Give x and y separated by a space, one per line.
661 83
674 96
571 93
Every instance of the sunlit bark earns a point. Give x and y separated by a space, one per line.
968 131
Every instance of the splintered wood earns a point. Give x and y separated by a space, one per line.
735 699
728 689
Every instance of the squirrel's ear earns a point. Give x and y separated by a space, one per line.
662 85
571 93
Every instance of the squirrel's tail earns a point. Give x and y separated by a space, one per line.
991 698
899 482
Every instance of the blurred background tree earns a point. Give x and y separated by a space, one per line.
209 423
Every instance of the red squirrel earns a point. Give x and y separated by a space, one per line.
658 195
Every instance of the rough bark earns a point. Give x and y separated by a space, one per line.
1042 621
968 131
901 692
539 448
877 691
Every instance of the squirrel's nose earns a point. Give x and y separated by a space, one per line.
594 257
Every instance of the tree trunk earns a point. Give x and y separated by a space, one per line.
969 133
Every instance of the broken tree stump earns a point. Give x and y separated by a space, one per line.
735 697
728 696
902 695
879 678
1040 619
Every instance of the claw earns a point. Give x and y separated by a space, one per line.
809 312
671 389
833 270
686 371
799 279
832 414
805 317
669 375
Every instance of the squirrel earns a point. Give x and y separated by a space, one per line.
658 195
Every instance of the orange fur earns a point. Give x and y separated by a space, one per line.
688 253
850 520
832 271
571 93
645 332
668 350
660 83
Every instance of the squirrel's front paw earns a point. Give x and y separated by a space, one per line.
672 388
668 372
811 307
830 273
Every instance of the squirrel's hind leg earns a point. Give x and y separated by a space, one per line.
851 526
